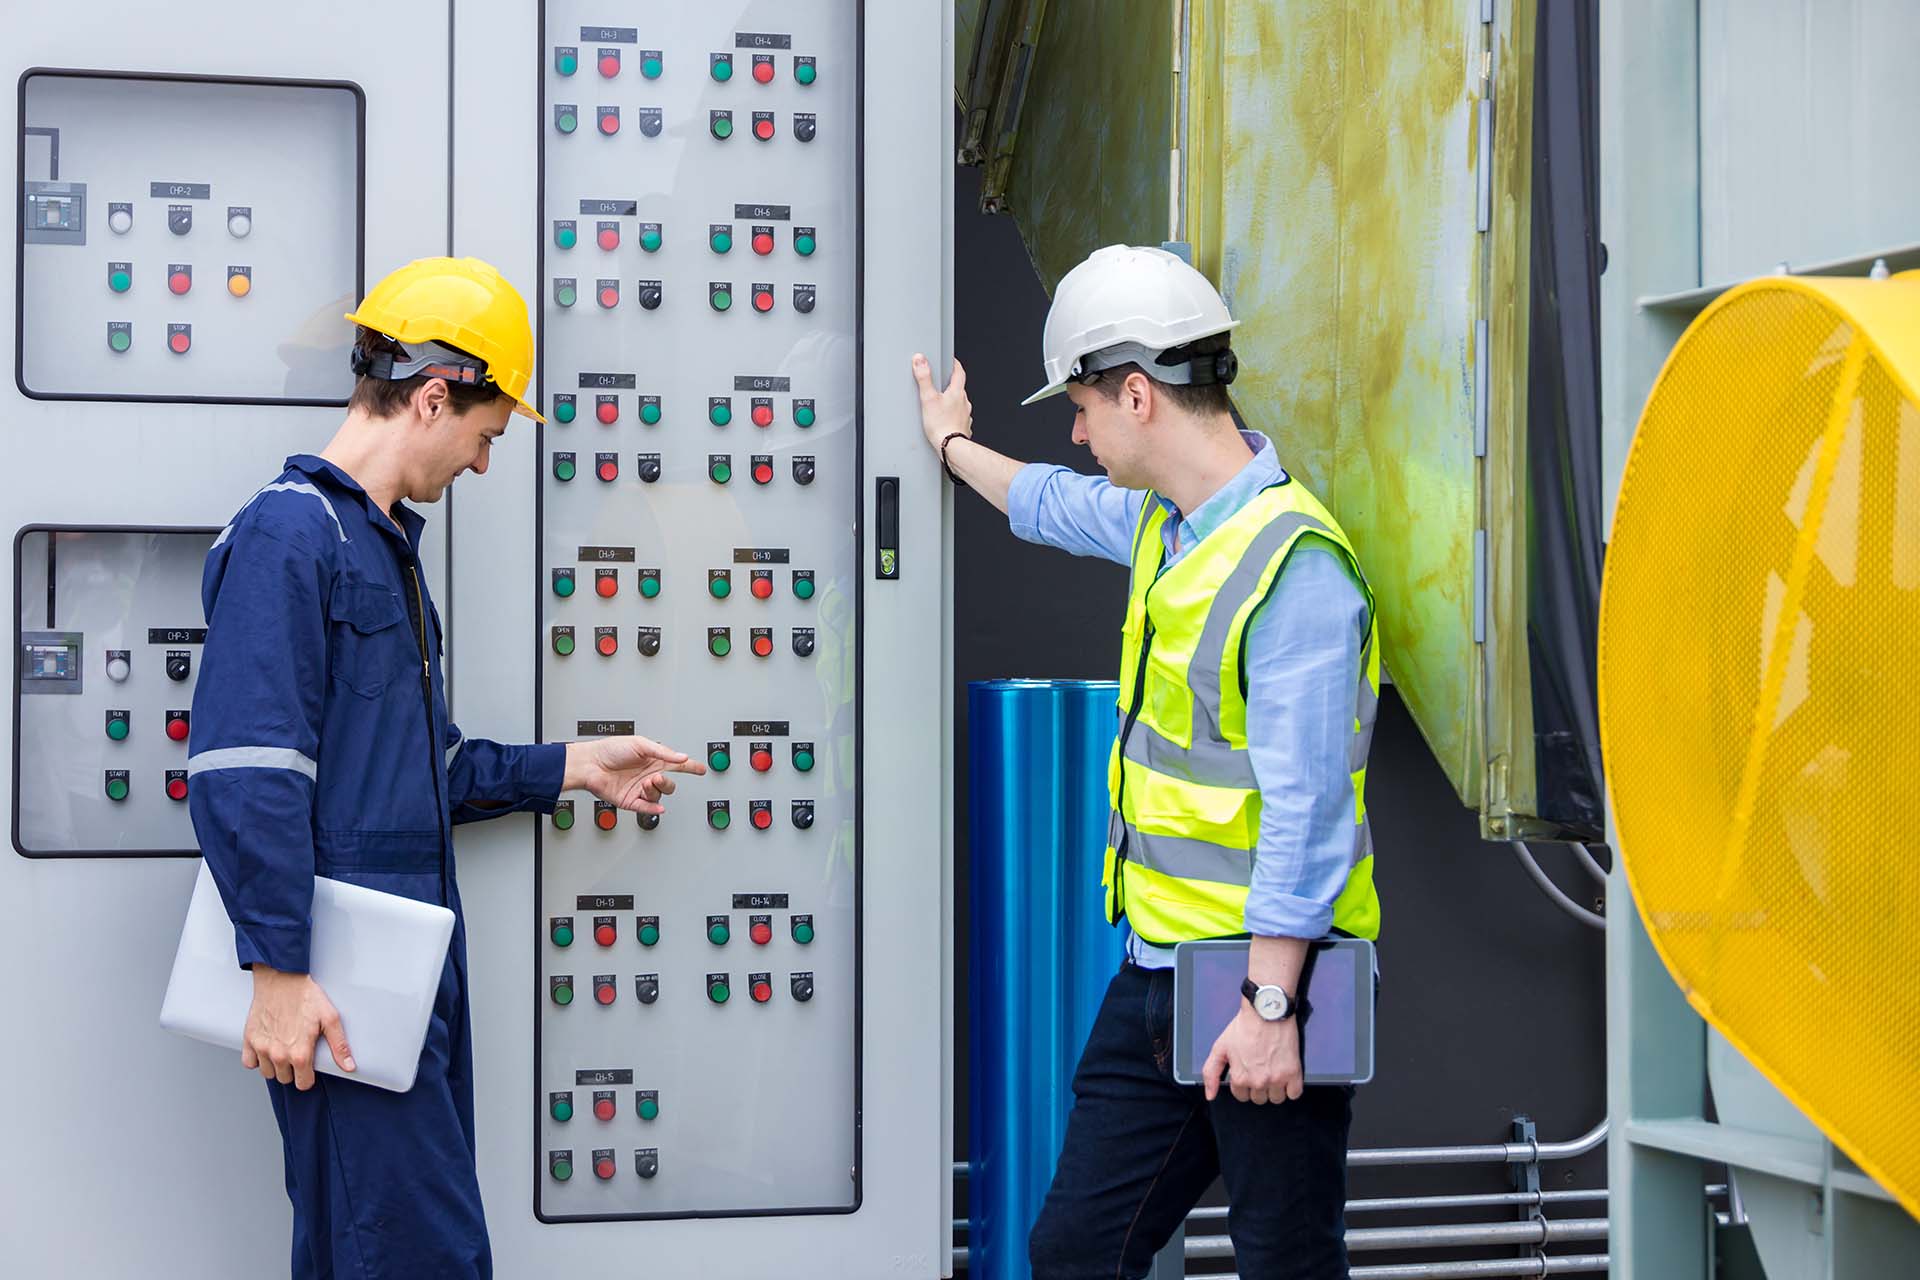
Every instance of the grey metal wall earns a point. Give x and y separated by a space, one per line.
1491 1000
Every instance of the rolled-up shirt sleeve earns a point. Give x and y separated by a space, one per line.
1086 515
257 710
487 779
1304 650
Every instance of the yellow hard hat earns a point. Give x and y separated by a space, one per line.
464 303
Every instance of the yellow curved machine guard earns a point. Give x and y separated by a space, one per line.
1759 647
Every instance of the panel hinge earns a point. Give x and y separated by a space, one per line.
1479 586
1482 363
1484 210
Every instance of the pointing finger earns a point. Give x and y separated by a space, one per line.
924 376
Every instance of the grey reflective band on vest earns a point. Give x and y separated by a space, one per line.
1364 712
1210 651
253 758
1209 763
1185 858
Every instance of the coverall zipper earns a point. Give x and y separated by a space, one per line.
417 609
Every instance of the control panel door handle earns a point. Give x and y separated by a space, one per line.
886 504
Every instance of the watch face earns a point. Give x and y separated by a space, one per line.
1270 1003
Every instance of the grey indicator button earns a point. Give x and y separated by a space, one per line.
119 218
650 121
179 665
119 665
650 295
646 1161
646 987
239 221
649 644
119 336
803 642
803 298
649 467
803 814
180 218
803 470
805 128
801 985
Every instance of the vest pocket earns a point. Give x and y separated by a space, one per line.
367 645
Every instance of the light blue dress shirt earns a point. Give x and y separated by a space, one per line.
1304 648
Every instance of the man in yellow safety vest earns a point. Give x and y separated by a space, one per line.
1249 676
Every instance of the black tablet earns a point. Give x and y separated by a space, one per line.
1336 1036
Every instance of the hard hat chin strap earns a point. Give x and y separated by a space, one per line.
1175 366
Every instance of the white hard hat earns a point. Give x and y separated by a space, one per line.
1127 303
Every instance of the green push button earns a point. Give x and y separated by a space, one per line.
719 819
563 993
721 241
566 63
567 122
119 339
805 73
720 413
563 586
723 127
649 587
803 933
803 588
651 68
561 1169
563 469
803 245
562 934
563 411
719 587
649 934
719 760
720 472
116 789
649 1108
722 69
719 645
117 730
563 818
650 412
562 1109
717 992
803 761
650 239
120 281
803 415
566 237
566 295
718 933
720 299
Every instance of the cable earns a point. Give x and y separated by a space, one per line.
1554 891
1591 863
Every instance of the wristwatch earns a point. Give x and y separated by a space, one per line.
1273 1004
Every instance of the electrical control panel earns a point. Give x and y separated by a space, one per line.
107 635
186 238
698 506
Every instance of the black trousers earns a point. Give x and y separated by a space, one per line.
1141 1150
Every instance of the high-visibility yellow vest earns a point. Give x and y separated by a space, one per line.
1186 808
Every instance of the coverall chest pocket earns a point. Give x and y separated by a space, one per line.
370 644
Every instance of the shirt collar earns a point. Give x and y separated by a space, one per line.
1262 471
411 522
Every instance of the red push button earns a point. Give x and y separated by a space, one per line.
763 473
761 933
177 728
608 645
609 296
610 123
763 243
180 281
763 415
604 934
603 1168
603 992
762 588
603 1109
176 788
762 819
179 341
762 991
609 65
608 411
762 645
606 817
608 471
606 586
609 238
763 129
762 759
763 71
763 300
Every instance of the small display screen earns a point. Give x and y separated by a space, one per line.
1327 1036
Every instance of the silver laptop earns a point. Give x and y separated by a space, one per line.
378 956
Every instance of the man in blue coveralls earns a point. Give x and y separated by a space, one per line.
1249 677
321 746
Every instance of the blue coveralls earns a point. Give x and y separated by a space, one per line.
318 749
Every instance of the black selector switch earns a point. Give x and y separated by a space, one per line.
804 128
179 666
180 219
803 642
646 988
649 642
650 294
803 470
801 985
646 1162
649 467
803 298
803 814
